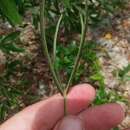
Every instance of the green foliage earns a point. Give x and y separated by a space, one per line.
9 9
9 98
9 95
124 74
8 43
97 11
66 56
116 128
64 63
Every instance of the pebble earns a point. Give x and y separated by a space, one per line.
2 62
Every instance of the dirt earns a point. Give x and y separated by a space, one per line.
115 55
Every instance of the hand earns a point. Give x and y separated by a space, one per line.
48 114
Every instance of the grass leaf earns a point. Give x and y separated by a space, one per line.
9 9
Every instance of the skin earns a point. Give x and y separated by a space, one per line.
49 114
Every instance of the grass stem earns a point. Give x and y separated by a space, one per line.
84 26
44 45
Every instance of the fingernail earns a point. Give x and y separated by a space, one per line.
71 123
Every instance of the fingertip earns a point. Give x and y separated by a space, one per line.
82 95
117 112
85 91
103 117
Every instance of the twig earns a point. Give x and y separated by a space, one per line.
84 26
44 45
55 38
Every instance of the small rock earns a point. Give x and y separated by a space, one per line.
2 62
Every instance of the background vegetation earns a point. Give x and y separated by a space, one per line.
14 14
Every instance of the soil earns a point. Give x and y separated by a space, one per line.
115 56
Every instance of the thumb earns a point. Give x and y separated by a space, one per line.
70 123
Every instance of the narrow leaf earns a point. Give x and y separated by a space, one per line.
9 9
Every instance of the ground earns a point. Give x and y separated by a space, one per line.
114 56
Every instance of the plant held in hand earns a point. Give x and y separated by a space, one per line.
84 25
